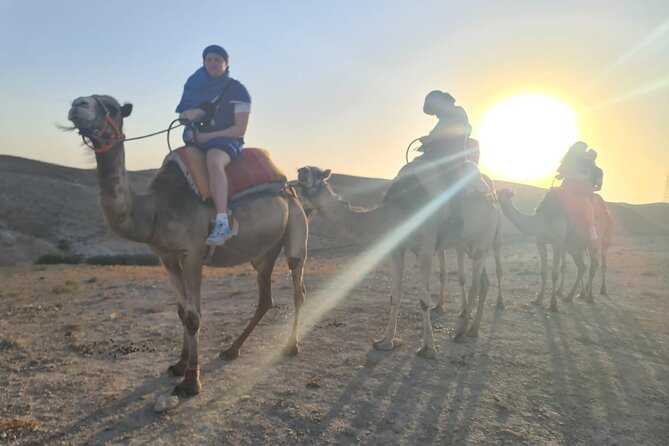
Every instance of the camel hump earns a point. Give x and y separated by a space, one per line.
406 189
253 167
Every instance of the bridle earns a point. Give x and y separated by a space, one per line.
101 142
312 191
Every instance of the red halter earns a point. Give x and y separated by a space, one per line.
103 143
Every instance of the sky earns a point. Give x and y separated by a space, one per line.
340 84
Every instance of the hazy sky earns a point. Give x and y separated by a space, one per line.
340 84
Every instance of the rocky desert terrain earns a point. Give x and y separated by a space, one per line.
84 349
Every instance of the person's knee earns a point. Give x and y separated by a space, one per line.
217 160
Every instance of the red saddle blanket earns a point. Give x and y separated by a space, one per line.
580 209
252 168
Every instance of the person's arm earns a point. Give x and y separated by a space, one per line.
192 115
235 131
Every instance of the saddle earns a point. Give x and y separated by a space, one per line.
579 208
251 169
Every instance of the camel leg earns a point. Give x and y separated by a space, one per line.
499 272
175 273
603 268
594 265
295 249
427 349
563 272
580 271
472 297
462 281
264 267
190 308
543 256
397 271
440 307
558 256
473 331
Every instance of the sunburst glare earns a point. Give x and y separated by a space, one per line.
524 137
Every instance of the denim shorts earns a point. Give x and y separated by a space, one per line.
232 146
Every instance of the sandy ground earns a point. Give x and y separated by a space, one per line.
84 352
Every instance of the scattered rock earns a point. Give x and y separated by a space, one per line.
165 402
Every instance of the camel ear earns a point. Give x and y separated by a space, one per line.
326 174
126 109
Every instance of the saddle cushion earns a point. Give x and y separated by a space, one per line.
253 167
578 208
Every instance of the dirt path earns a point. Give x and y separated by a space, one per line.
83 354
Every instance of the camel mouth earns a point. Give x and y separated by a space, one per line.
81 117
304 177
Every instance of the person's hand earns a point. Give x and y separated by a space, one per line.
201 137
423 139
208 107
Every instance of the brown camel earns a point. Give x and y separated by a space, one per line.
549 224
175 223
416 226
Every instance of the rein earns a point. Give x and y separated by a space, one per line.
103 143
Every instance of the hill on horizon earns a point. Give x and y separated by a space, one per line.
47 208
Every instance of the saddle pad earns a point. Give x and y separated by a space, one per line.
253 167
576 208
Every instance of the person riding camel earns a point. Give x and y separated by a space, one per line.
445 147
221 106
582 177
446 141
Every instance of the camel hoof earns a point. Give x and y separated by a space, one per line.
568 299
439 309
291 350
189 386
231 353
538 302
471 333
500 305
459 338
384 345
426 352
603 292
177 369
461 315
553 308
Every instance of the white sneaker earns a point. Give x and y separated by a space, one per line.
219 234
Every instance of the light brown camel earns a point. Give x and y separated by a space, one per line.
604 228
550 225
460 256
408 226
440 306
175 223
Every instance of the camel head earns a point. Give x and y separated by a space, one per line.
99 120
312 179
505 194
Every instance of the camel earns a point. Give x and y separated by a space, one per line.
174 222
408 226
549 224
460 253
604 228
440 307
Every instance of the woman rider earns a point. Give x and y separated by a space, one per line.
222 106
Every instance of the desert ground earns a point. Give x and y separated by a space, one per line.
84 352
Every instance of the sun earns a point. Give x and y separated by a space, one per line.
524 137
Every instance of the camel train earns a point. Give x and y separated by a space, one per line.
174 222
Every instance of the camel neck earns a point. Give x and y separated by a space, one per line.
117 199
